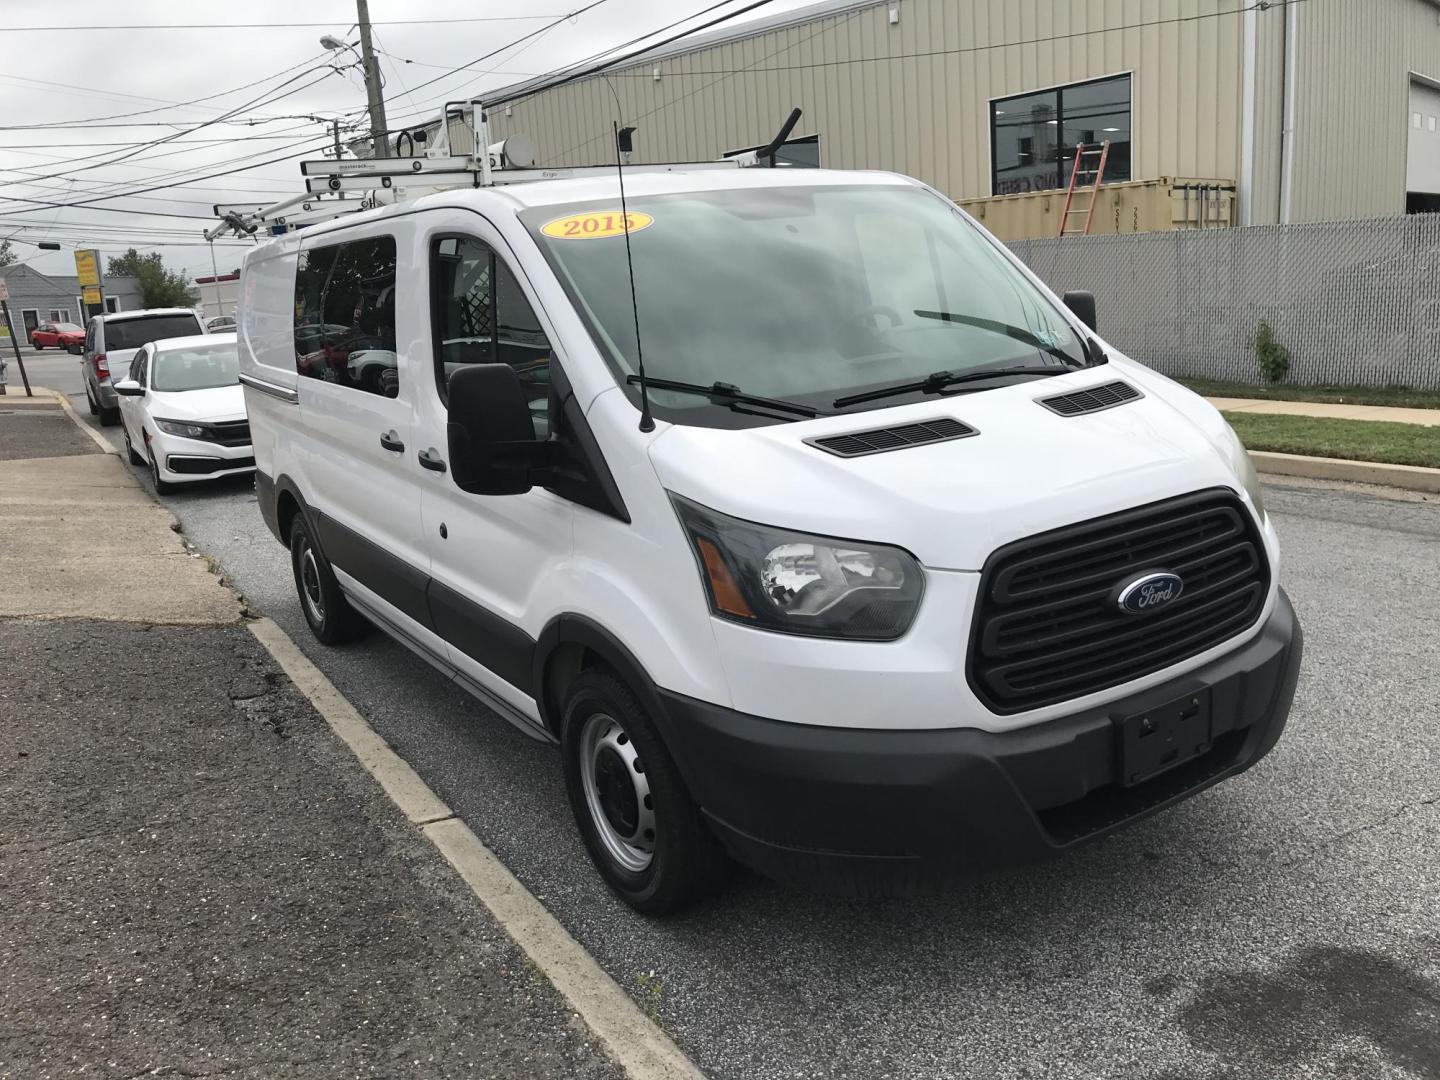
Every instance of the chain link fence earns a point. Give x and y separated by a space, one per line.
1355 302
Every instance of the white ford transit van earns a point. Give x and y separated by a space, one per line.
892 567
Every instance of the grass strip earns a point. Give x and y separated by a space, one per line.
1401 397
1354 440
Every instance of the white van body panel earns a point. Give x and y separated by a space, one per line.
949 504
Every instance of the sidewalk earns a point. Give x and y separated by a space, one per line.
1328 410
196 877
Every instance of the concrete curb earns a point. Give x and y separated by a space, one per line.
1408 477
630 1037
96 437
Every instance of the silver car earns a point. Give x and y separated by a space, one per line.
111 342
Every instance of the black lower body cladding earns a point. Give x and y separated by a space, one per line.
875 809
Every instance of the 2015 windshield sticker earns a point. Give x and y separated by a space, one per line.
596 225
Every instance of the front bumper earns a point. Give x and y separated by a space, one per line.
867 809
183 460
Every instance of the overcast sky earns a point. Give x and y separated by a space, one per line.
70 75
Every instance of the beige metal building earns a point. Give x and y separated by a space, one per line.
1305 110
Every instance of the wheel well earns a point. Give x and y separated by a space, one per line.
286 507
569 659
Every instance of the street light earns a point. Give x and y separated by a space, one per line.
374 102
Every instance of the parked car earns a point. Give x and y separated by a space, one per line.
110 345
220 324
53 335
183 411
889 567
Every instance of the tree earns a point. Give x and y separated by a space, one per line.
6 255
159 287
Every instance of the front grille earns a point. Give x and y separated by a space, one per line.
1046 631
1091 399
203 466
230 433
878 440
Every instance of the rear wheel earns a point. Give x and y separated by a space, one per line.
90 401
643 831
331 618
38 346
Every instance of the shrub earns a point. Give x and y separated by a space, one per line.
1273 358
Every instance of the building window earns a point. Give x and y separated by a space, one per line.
59 314
112 305
1033 136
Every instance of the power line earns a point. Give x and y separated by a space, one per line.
262 99
1259 5
145 112
280 26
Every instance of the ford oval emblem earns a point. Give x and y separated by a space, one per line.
1148 592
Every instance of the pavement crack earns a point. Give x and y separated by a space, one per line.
1393 816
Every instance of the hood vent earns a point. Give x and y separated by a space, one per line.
1092 399
879 440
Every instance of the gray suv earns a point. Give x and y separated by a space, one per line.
112 340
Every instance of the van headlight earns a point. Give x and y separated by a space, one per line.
1245 471
797 583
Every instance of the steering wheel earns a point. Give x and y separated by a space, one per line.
875 309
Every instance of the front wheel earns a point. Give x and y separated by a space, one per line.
640 826
130 451
162 487
331 618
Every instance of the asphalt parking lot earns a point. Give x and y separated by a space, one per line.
1285 924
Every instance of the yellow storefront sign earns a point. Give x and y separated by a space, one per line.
91 294
87 266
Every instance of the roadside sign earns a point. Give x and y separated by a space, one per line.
91 294
4 290
87 266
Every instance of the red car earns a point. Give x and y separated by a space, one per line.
57 335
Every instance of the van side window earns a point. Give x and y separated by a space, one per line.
345 315
479 315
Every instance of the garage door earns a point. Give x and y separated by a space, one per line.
1423 171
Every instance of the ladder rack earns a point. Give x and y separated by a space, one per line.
382 181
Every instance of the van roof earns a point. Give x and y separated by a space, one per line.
640 181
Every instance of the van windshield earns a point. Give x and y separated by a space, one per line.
802 294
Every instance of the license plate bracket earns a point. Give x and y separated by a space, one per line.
1159 739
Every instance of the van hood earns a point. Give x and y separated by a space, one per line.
951 504
216 404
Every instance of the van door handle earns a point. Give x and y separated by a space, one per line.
431 460
391 441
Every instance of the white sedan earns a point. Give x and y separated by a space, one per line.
183 411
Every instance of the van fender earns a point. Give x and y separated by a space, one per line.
580 630
269 492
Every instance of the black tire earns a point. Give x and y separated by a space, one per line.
37 346
90 401
331 618
109 417
683 863
135 459
162 487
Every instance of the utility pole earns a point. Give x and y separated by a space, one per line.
335 130
378 127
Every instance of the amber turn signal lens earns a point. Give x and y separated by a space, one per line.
726 593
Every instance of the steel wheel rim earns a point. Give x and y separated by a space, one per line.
617 793
310 584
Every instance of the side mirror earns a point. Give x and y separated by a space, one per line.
493 449
128 388
1083 305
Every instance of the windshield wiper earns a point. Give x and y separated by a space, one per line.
1019 333
937 381
727 394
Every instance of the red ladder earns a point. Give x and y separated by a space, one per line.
1093 187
